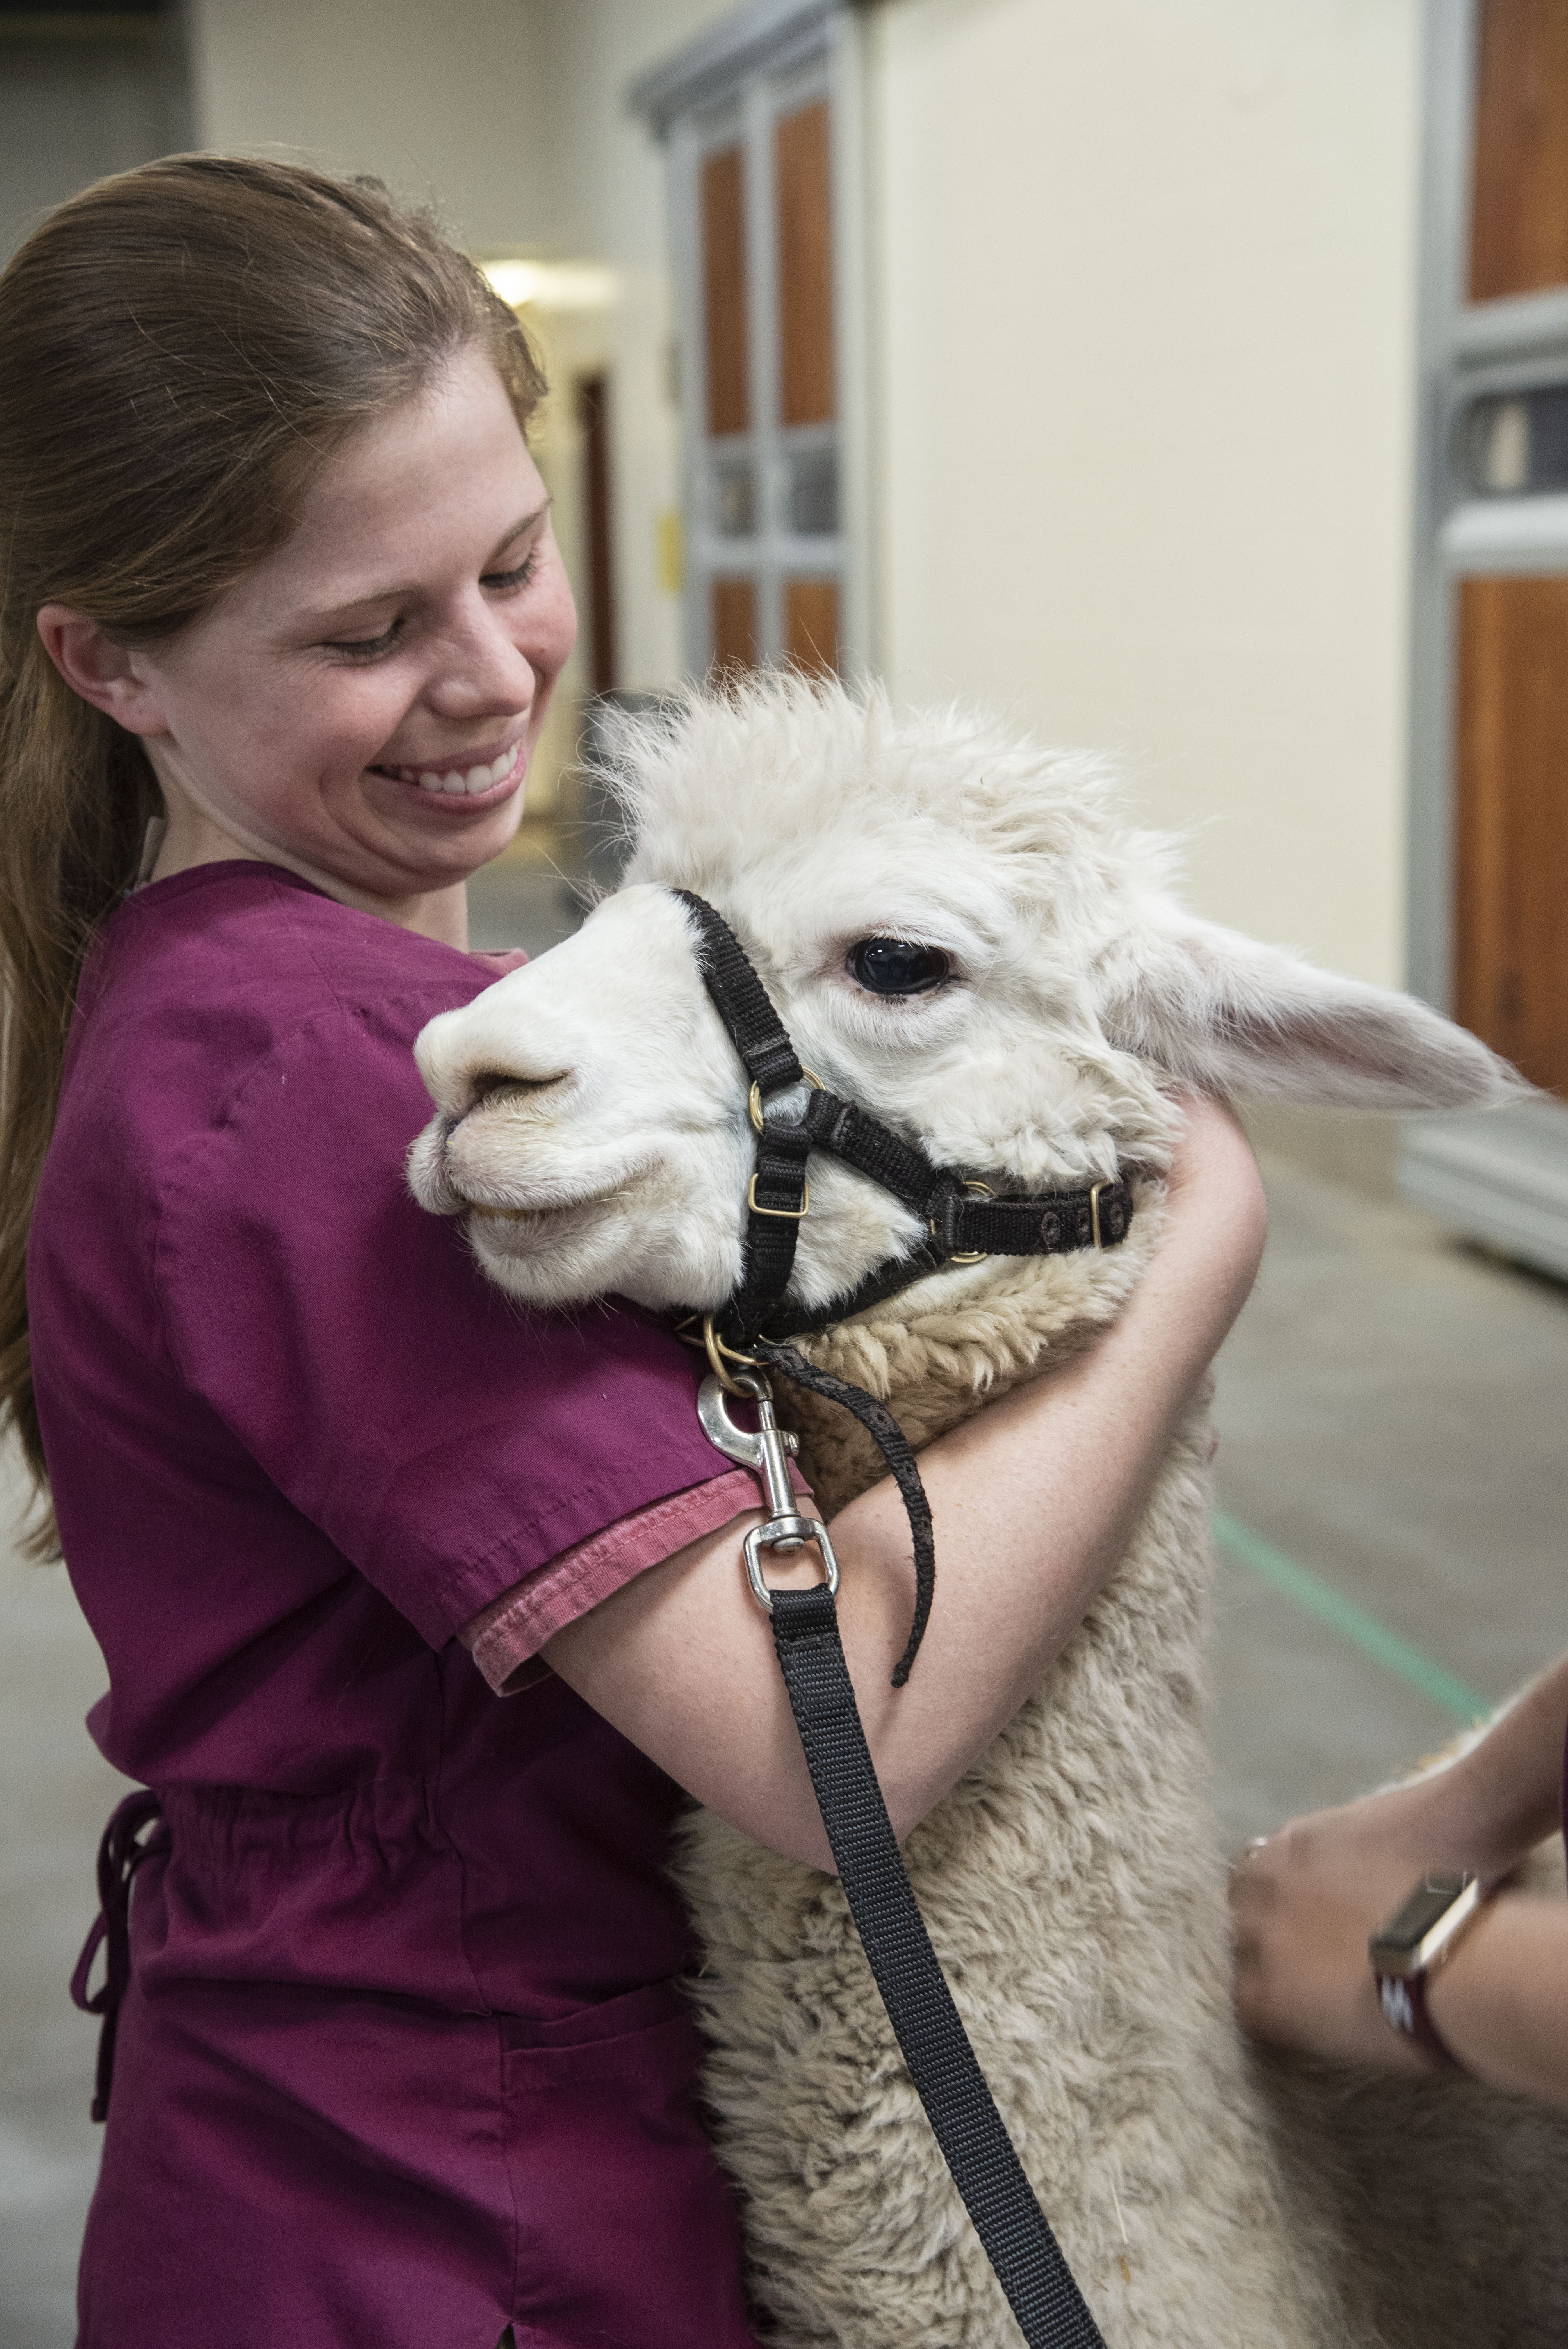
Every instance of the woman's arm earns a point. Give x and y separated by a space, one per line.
1034 1502
1306 1902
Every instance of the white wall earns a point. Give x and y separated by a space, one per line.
1147 280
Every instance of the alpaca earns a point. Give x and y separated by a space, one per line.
592 1128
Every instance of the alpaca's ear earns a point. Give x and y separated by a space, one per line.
1228 1015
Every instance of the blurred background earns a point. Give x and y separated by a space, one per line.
1190 380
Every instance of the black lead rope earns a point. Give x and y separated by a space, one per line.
1013 2229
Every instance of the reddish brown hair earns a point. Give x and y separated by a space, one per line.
181 347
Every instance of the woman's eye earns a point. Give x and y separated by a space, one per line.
897 966
501 582
367 647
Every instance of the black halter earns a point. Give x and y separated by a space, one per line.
965 1219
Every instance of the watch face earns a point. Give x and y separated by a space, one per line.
1407 1941
1413 1921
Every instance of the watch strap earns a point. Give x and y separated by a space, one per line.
1404 2002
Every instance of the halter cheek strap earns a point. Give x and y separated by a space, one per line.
965 1219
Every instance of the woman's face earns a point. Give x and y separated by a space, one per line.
363 705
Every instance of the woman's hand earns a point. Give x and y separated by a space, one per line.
1306 1902
1305 1905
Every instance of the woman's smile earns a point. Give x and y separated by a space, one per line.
466 779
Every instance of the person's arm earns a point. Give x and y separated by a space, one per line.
1306 1902
1034 1503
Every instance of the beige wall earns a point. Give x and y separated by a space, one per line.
443 101
1147 280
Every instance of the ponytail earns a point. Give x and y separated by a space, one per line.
77 795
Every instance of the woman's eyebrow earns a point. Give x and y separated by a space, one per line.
328 612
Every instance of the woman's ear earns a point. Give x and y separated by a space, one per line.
107 675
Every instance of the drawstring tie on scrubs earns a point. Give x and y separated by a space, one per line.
120 1854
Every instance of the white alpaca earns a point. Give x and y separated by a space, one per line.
593 1127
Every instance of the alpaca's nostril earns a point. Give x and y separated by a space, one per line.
501 1084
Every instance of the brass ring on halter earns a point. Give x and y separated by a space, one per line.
754 1099
718 1354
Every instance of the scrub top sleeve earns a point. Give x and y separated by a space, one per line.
447 1440
505 1637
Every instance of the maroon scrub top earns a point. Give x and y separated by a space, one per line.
403 2059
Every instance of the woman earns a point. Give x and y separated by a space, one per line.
401 2060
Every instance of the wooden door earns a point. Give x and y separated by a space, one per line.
1511 911
803 201
1511 965
1518 216
593 417
764 513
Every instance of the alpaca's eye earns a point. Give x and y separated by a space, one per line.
896 967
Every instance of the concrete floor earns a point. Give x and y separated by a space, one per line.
1391 1408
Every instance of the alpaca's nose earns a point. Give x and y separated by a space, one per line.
473 1060
497 1087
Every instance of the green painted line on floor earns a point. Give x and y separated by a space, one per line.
1353 1623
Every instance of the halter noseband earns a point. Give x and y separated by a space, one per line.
965 1219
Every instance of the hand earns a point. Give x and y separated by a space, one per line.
1306 1902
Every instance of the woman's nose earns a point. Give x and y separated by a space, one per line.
480 671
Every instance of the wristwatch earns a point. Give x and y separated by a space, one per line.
1424 1930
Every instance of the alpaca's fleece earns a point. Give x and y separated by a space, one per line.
591 1125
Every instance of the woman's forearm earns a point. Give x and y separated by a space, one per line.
1501 2003
1505 1793
1033 1502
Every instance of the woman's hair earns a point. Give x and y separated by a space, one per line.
180 348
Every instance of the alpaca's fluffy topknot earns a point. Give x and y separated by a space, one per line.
800 758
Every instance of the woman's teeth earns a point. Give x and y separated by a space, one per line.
455 781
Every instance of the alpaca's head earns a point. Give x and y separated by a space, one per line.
1047 995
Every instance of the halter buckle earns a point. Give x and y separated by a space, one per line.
789 1214
1093 1191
